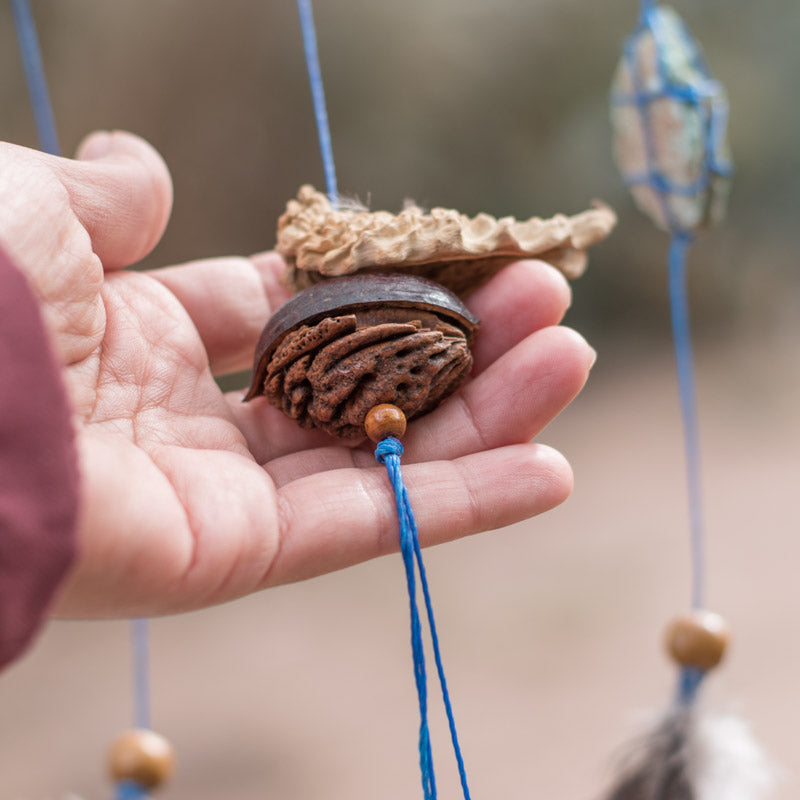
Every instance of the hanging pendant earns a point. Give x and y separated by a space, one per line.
377 317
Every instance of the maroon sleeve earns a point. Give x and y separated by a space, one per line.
38 467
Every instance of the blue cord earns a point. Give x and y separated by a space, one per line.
689 680
130 790
34 74
318 97
388 453
681 334
140 649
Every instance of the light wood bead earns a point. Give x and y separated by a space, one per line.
697 639
385 420
142 756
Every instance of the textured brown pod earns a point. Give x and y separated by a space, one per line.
343 346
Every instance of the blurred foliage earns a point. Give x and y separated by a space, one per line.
499 107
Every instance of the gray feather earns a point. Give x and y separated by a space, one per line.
660 767
693 756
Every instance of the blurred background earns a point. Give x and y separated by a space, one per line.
551 629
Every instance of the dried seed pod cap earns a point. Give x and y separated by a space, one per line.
697 639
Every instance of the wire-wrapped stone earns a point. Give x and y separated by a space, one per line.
343 346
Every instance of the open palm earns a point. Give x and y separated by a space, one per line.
190 497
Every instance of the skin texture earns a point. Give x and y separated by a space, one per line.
188 496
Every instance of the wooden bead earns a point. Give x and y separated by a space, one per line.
697 639
142 756
385 420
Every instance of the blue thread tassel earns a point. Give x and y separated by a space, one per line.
388 453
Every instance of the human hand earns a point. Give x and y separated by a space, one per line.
190 497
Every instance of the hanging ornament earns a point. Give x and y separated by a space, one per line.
380 321
669 121
377 335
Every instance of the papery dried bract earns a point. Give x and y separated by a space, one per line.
459 252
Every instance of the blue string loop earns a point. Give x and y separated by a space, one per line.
388 453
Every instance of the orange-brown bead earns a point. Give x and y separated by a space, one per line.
384 420
697 639
142 756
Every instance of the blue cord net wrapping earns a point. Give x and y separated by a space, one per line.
669 118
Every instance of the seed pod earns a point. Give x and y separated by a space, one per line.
343 346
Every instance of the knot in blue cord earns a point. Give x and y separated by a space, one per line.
390 446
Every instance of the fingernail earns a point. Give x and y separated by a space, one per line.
95 145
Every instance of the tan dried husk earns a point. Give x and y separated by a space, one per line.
319 241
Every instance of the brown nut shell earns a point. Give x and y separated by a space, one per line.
343 346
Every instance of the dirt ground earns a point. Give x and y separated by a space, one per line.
550 629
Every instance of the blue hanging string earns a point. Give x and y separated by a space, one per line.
48 142
388 453
689 678
682 338
318 96
34 74
140 651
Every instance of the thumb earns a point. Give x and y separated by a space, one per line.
121 191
